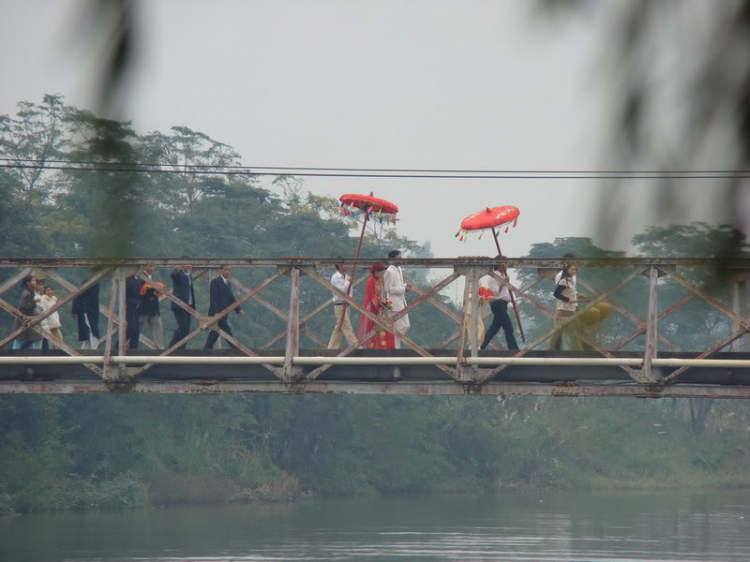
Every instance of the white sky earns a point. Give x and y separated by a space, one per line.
345 83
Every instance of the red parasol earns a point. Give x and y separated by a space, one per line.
367 203
491 218
373 208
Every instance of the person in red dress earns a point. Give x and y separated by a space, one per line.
376 303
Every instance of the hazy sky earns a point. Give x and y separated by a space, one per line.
378 84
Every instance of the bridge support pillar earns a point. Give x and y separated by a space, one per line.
290 372
648 373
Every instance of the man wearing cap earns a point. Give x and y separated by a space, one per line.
395 290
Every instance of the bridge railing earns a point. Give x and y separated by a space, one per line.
468 366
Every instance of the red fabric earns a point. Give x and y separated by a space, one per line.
490 218
485 293
373 298
146 287
368 203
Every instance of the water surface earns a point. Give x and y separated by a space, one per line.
545 527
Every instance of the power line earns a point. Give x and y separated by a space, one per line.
417 173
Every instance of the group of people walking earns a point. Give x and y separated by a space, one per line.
384 300
142 308
385 297
142 296
37 297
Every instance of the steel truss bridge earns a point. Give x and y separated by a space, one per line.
653 366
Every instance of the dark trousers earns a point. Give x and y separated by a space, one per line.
133 331
500 320
183 325
83 328
213 336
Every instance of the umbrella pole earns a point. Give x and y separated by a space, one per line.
354 269
512 298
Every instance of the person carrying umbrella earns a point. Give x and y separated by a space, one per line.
498 297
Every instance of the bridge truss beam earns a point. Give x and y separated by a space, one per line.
466 370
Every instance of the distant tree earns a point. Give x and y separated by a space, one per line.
182 151
36 134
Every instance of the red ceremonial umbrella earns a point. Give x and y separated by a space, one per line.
492 218
371 208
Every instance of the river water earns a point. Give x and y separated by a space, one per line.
530 527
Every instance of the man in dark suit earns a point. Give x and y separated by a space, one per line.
221 296
133 285
86 310
182 288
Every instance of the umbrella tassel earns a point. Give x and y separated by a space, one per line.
506 229
480 235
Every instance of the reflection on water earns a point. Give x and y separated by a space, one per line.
562 527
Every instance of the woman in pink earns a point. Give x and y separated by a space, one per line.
376 304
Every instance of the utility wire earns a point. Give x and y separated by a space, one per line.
208 169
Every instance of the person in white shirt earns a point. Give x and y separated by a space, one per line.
52 323
395 290
499 299
342 282
566 304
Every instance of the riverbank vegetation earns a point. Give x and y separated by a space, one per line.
122 451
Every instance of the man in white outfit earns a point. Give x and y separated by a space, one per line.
395 290
342 282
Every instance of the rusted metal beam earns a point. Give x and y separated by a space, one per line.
633 274
292 329
45 334
31 321
379 322
277 312
642 326
206 323
106 312
650 353
14 279
710 351
513 263
725 363
742 322
123 334
116 279
399 388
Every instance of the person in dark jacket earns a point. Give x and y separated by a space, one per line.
86 310
182 288
221 296
28 306
133 285
149 313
